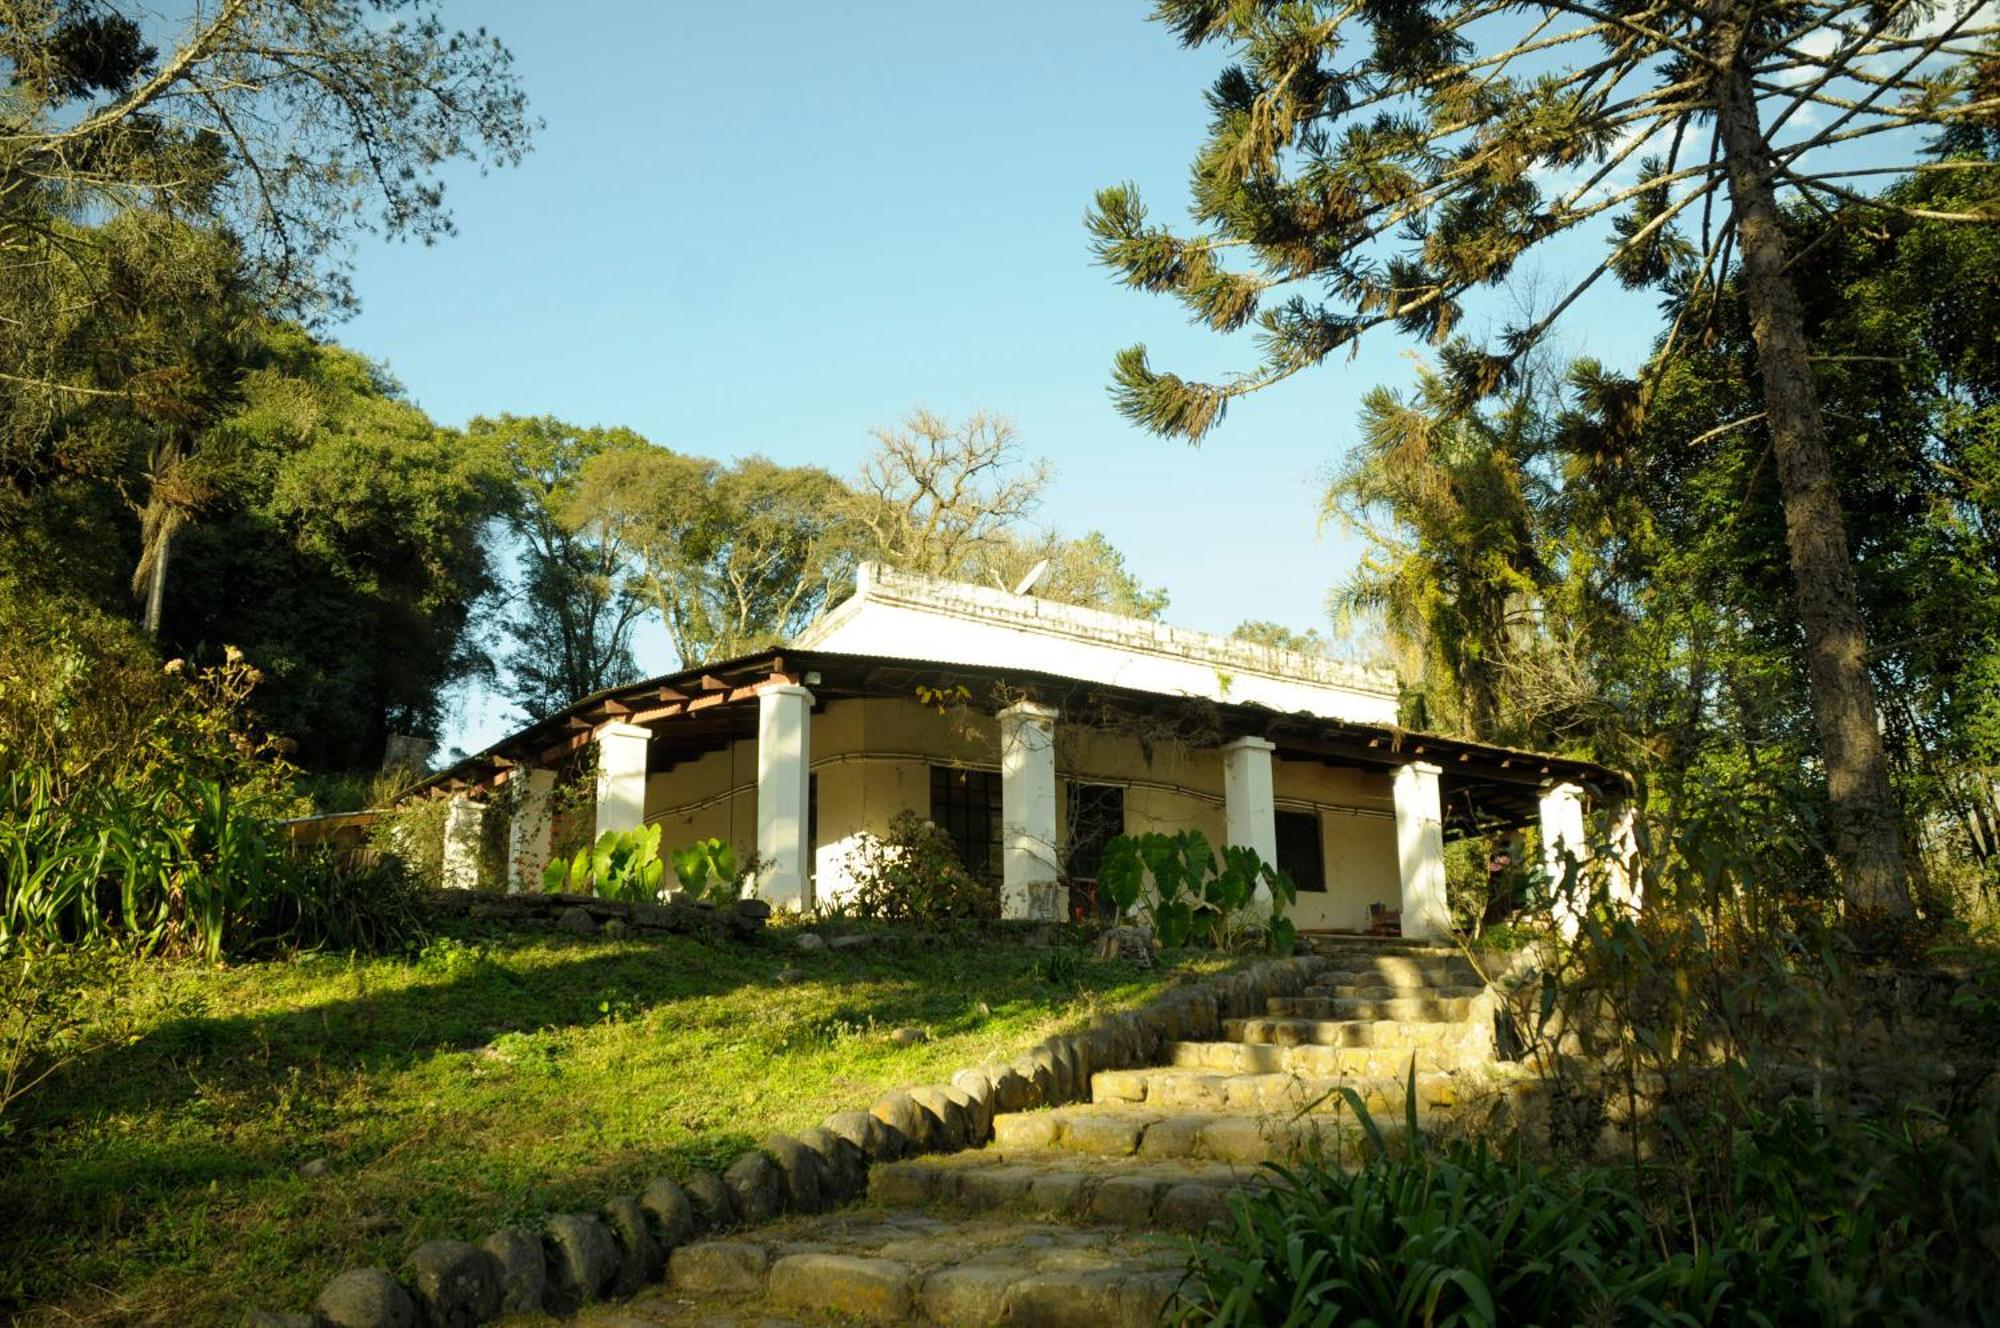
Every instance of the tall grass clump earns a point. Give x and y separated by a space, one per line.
1855 1223
1749 1110
139 803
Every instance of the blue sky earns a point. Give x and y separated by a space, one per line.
766 228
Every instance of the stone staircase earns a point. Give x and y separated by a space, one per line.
1046 1224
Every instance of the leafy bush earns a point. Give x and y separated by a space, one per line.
913 874
708 869
622 864
139 803
1196 898
1853 1224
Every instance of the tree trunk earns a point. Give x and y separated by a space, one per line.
1865 822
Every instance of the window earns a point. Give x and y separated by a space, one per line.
1298 850
1096 817
965 804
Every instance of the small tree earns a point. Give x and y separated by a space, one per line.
1375 164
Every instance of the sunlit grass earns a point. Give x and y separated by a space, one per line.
488 1080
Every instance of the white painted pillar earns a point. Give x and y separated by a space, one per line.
1565 850
1249 810
1420 850
621 778
464 828
1031 880
1622 872
784 762
528 831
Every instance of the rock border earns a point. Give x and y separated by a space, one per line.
580 1258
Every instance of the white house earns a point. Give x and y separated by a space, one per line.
1032 732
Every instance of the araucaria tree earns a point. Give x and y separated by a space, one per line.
1374 164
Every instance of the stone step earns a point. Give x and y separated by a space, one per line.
902 1266
1113 1130
1266 1058
1281 1093
1397 973
1388 1034
1389 991
1166 1194
1407 1009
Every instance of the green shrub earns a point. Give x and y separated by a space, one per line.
1196 897
622 864
1814 1223
913 874
708 869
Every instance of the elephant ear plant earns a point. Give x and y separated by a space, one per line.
708 869
1196 898
622 864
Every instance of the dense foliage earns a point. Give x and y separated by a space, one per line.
1371 169
1865 1223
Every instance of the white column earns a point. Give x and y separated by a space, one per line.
1249 811
784 761
1031 881
1564 852
1622 872
528 831
621 778
1420 850
464 826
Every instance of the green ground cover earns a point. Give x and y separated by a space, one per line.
169 1176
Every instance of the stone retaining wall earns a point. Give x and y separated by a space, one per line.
577 1258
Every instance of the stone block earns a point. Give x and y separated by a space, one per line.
843 1168
967 1296
672 1214
456 1284
1059 1192
1064 1299
1176 1136
366 1298
584 1258
994 1187
1106 1136
978 1091
1025 1132
801 1168
865 1132
900 1114
1126 1200
875 1289
1189 1207
947 1117
728 1267
641 1260
902 1184
713 1202
1244 1139
1012 1090
523 1265
759 1188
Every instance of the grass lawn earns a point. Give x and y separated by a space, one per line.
493 1078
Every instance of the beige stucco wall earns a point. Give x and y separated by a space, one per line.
871 759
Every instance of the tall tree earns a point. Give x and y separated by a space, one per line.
573 612
734 558
935 497
1398 157
288 123
342 548
957 501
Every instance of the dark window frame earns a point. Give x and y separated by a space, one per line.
960 795
1086 802
1307 873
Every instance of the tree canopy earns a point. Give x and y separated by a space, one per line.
1371 167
